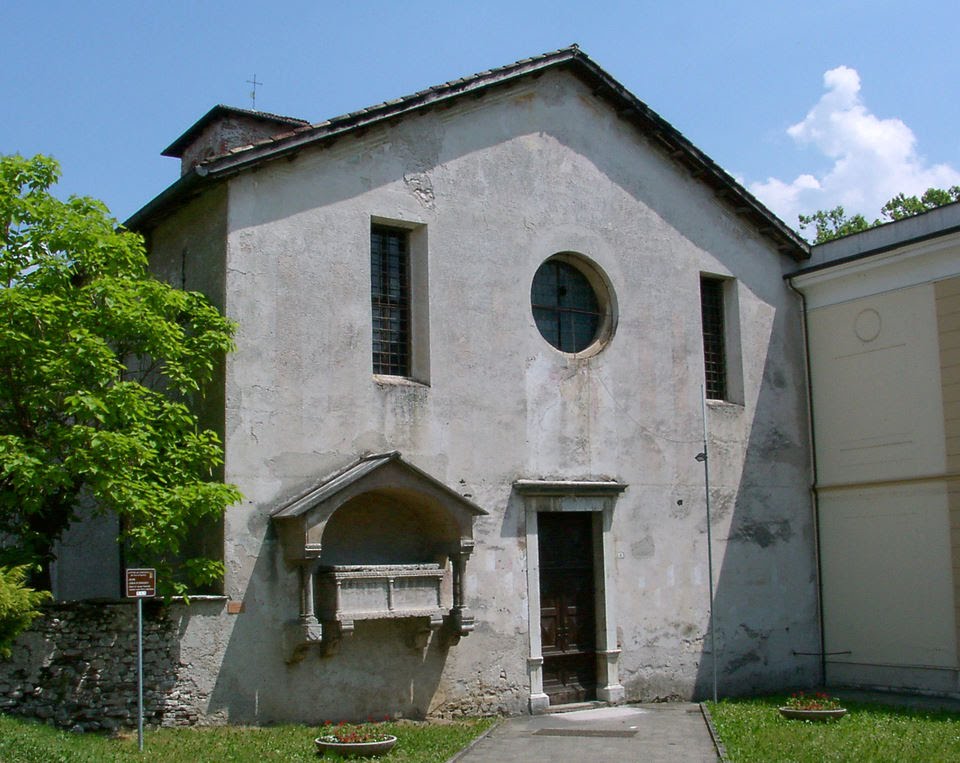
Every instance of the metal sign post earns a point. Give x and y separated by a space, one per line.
704 458
140 584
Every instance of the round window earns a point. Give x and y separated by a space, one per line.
570 304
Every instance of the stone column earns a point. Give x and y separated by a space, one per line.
460 620
539 701
308 593
609 688
305 631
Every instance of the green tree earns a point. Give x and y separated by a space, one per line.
101 368
901 206
834 223
18 605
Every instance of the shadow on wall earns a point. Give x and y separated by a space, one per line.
375 674
765 603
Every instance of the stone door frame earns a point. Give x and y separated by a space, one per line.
599 498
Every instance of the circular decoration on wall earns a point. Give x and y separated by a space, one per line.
867 325
572 304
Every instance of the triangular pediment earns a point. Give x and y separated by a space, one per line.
301 520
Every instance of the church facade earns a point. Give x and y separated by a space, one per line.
476 329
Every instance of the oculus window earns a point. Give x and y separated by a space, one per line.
571 303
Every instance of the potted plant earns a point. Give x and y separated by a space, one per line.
354 740
812 707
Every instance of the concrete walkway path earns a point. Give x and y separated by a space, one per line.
656 733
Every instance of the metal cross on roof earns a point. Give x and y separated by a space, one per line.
253 93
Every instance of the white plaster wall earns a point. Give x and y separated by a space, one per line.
878 409
188 250
888 590
502 183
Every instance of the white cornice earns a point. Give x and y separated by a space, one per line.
910 265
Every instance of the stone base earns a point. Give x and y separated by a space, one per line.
614 694
539 704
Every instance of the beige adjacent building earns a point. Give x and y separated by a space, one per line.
883 325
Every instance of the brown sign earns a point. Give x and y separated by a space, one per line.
141 583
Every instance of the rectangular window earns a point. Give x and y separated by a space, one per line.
390 299
714 337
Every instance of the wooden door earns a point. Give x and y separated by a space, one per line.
567 607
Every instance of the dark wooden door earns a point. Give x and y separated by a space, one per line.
567 608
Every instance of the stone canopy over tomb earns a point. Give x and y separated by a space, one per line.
379 540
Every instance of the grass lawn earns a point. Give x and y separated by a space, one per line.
752 730
24 741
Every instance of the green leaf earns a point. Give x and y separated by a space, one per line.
103 370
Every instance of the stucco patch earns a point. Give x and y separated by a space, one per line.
643 548
420 185
763 534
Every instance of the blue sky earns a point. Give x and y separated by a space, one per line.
808 104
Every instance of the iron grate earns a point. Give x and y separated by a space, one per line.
714 352
390 300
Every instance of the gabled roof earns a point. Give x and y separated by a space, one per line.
301 520
220 111
359 472
660 132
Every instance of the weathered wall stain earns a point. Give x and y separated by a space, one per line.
763 533
643 548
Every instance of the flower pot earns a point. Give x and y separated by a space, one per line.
357 749
812 715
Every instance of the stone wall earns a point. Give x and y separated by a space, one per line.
76 667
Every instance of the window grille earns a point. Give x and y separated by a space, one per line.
390 300
565 306
714 352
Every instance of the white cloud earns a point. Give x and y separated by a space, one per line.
872 159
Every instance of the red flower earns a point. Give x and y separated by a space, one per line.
348 733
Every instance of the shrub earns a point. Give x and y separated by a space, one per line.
18 605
